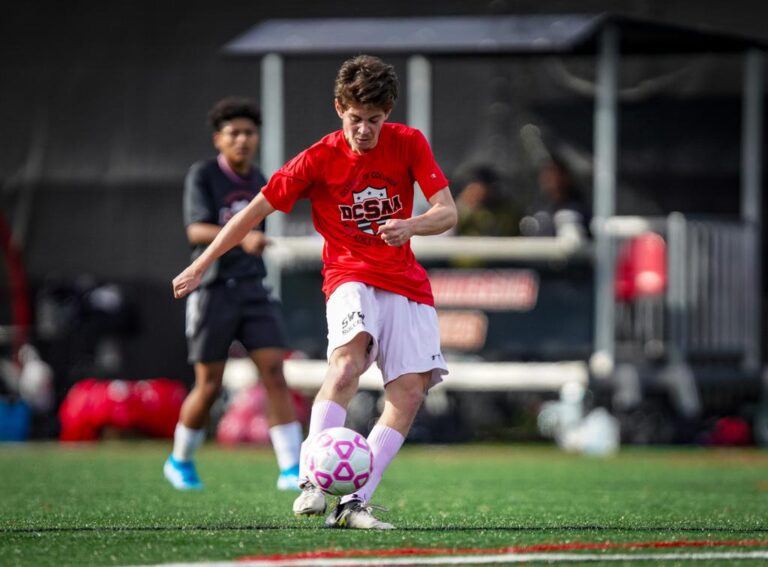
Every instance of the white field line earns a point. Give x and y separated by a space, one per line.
487 559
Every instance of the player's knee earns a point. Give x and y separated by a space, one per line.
340 383
346 367
270 368
273 378
407 395
412 400
208 386
209 377
343 373
208 391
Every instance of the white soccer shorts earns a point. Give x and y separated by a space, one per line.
406 335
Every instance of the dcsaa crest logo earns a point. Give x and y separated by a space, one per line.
371 208
370 193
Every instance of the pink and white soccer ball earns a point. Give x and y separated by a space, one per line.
339 461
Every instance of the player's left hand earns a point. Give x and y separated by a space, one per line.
396 232
255 242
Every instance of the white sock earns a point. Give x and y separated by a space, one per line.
385 442
186 441
325 414
286 441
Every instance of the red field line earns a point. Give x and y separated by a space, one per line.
574 546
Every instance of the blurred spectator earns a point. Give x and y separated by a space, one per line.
561 209
482 207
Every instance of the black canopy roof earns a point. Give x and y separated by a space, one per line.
482 35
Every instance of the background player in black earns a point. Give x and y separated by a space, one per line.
232 304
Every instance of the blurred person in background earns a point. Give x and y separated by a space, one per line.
482 207
360 183
560 209
231 302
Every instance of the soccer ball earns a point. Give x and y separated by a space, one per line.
339 461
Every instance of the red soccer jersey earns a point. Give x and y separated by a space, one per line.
352 195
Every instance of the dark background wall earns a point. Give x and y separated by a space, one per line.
103 109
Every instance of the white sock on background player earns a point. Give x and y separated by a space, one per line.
186 441
286 442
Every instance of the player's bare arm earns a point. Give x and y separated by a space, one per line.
203 233
228 237
255 242
437 219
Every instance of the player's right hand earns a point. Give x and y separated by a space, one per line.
255 242
186 282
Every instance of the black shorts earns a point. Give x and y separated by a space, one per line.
231 310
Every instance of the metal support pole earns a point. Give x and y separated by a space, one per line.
272 149
677 296
751 201
419 108
419 96
605 142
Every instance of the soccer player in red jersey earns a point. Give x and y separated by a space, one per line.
360 183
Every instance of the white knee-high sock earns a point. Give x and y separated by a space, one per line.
286 442
325 414
385 442
186 441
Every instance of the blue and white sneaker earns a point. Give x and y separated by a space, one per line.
182 474
289 479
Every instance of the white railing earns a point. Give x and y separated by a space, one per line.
290 249
464 375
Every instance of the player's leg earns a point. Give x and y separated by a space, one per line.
347 362
329 409
180 469
262 331
197 405
403 398
411 363
285 431
211 323
352 319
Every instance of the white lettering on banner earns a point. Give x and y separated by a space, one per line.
462 330
493 290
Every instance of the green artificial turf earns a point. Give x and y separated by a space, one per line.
108 504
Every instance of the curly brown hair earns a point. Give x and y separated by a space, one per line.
233 107
367 81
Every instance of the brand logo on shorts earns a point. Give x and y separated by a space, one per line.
437 356
371 208
352 320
